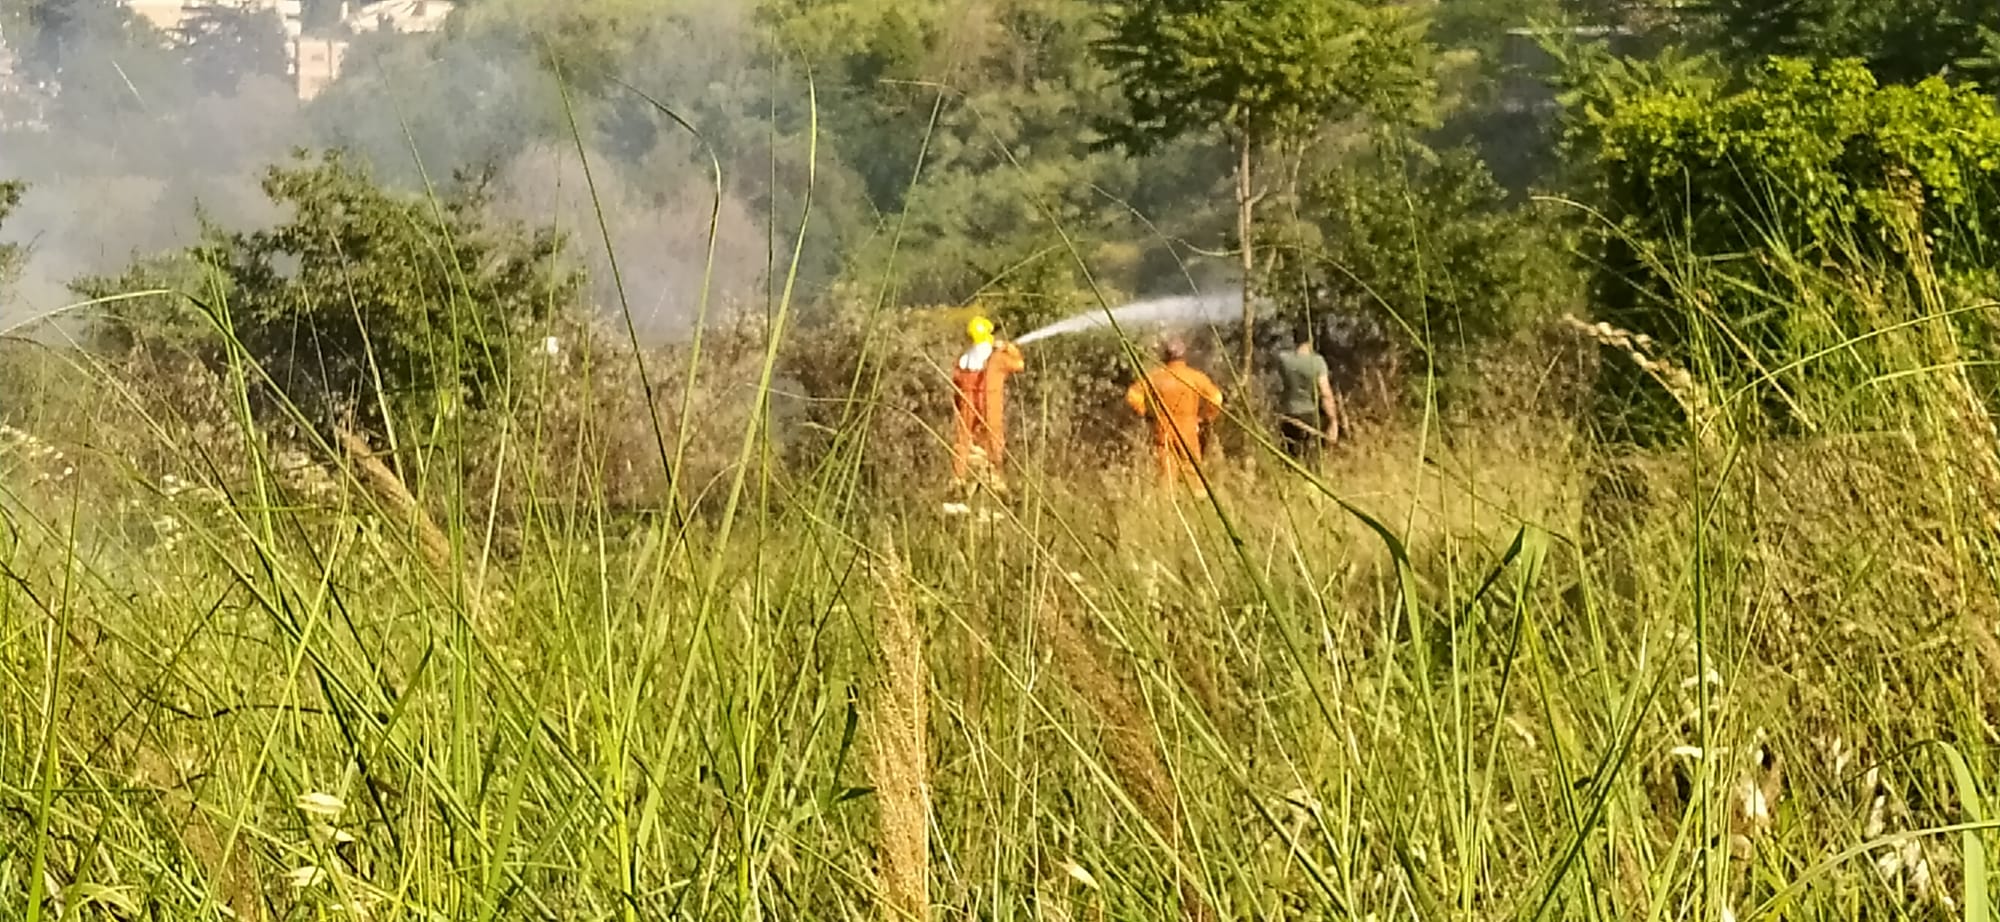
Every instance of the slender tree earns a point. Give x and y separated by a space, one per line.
1266 74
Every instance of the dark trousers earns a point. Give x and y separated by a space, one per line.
1302 439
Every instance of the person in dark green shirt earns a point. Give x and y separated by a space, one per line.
1308 415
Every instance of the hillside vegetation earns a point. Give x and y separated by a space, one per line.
528 498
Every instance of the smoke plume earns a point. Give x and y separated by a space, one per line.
126 152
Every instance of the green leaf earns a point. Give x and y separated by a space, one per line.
124 900
1977 902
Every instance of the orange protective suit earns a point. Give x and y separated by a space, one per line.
979 384
1179 400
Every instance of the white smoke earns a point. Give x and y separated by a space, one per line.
131 156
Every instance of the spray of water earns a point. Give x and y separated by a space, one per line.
1152 313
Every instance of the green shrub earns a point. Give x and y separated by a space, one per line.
362 304
1738 219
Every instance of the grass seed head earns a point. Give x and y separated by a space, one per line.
321 805
899 759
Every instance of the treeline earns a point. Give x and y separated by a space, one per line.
1432 179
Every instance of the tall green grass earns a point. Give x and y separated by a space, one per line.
1524 676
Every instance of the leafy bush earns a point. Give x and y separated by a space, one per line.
1902 41
1820 155
363 304
1738 217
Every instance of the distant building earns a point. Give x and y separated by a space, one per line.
293 12
165 15
399 16
315 60
169 15
316 63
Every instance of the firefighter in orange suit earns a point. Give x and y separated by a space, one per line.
979 384
1179 400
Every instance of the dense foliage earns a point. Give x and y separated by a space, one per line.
961 156
1263 71
1902 41
363 307
1732 209
975 142
1034 156
1265 75
1823 158
1428 249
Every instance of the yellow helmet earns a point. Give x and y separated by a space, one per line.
980 329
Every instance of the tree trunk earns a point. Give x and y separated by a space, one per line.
1246 217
